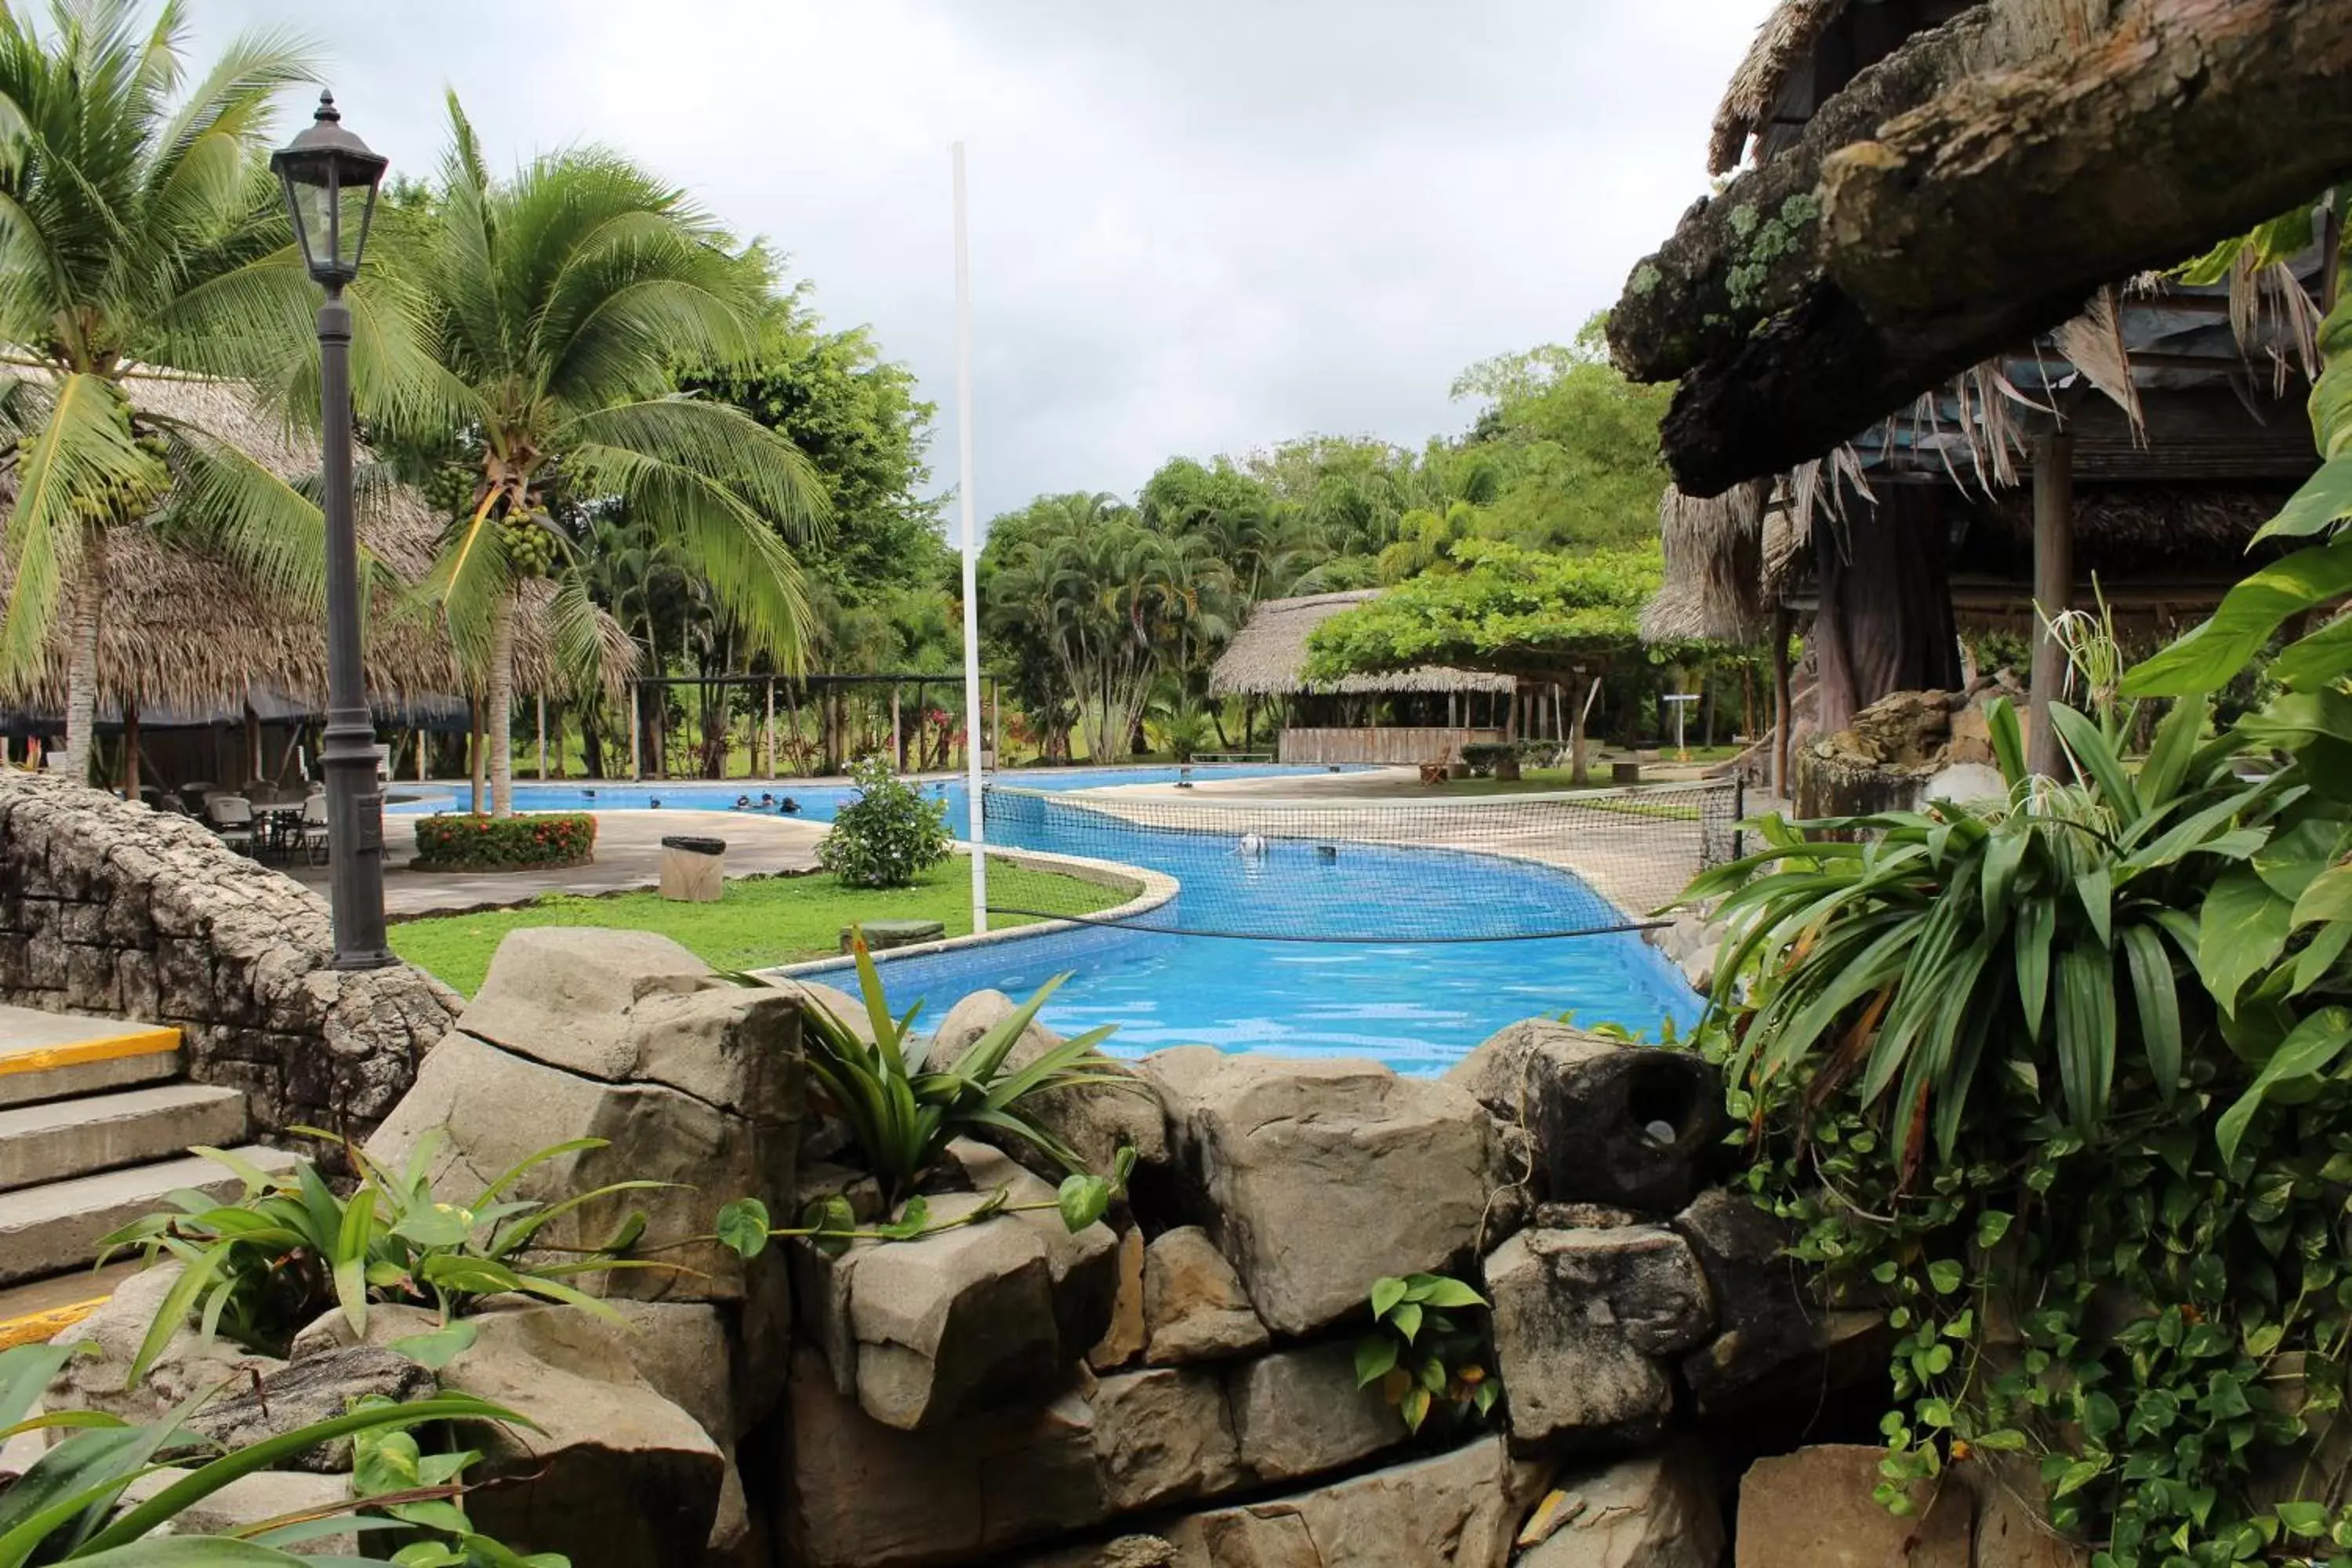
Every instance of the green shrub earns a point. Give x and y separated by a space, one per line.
903 1116
455 841
66 1506
889 835
2058 1082
289 1250
1425 1353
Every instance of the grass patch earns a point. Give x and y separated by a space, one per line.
761 922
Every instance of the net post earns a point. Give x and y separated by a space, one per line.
1738 815
972 786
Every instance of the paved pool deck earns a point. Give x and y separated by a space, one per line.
629 856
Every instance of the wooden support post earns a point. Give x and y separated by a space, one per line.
637 735
130 750
252 743
541 717
897 730
420 756
2054 590
770 727
1782 715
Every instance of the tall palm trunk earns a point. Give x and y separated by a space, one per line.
500 718
81 664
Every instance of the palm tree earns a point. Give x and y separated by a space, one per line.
558 302
141 233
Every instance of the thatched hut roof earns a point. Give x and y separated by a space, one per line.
1268 657
1730 562
184 630
1783 44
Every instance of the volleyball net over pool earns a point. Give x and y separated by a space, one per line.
1497 868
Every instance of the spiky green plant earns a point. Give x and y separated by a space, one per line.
559 302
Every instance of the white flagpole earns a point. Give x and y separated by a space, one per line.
977 831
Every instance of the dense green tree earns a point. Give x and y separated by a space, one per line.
559 300
859 420
140 231
1541 616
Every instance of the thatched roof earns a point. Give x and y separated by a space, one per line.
183 628
1783 44
1728 567
1268 656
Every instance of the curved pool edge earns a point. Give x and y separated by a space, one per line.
1154 889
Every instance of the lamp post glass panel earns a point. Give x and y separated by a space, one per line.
331 181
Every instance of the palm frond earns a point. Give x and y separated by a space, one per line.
81 453
238 506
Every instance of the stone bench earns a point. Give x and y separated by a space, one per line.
882 935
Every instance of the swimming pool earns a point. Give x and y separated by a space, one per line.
1418 1006
819 802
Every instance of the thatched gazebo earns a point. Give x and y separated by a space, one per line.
207 676
1896 438
1406 716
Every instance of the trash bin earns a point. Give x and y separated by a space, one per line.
693 871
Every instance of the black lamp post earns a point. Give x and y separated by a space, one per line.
330 180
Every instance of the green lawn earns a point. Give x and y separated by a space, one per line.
761 922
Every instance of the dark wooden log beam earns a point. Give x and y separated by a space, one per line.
2189 120
1738 258
1989 213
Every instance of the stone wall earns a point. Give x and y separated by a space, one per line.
1172 1386
107 907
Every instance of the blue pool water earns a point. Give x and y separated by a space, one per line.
1416 1005
819 802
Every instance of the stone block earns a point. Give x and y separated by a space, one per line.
1389 1175
1653 1510
1610 1122
1815 1507
1123 1340
491 1107
1456 1510
1194 1308
955 1324
1580 1318
98 1378
1083 1266
318 1389
633 1007
1298 1412
853 1493
251 1500
613 1477
1772 1343
1163 1436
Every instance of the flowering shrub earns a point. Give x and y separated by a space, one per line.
458 842
888 835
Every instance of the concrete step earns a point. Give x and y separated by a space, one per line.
55 1055
58 1140
49 1230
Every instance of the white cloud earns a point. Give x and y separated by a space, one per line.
1196 228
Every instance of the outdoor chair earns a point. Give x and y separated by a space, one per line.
310 833
232 818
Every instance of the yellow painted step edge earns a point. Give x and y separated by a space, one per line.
158 1040
36 1328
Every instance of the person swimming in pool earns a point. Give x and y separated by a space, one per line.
1251 847
767 800
742 803
789 807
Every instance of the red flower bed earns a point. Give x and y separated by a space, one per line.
460 842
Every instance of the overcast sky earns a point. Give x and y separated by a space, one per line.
1196 227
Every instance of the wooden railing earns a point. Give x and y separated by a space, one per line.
1393 747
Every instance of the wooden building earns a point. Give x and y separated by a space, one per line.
1401 717
1888 478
